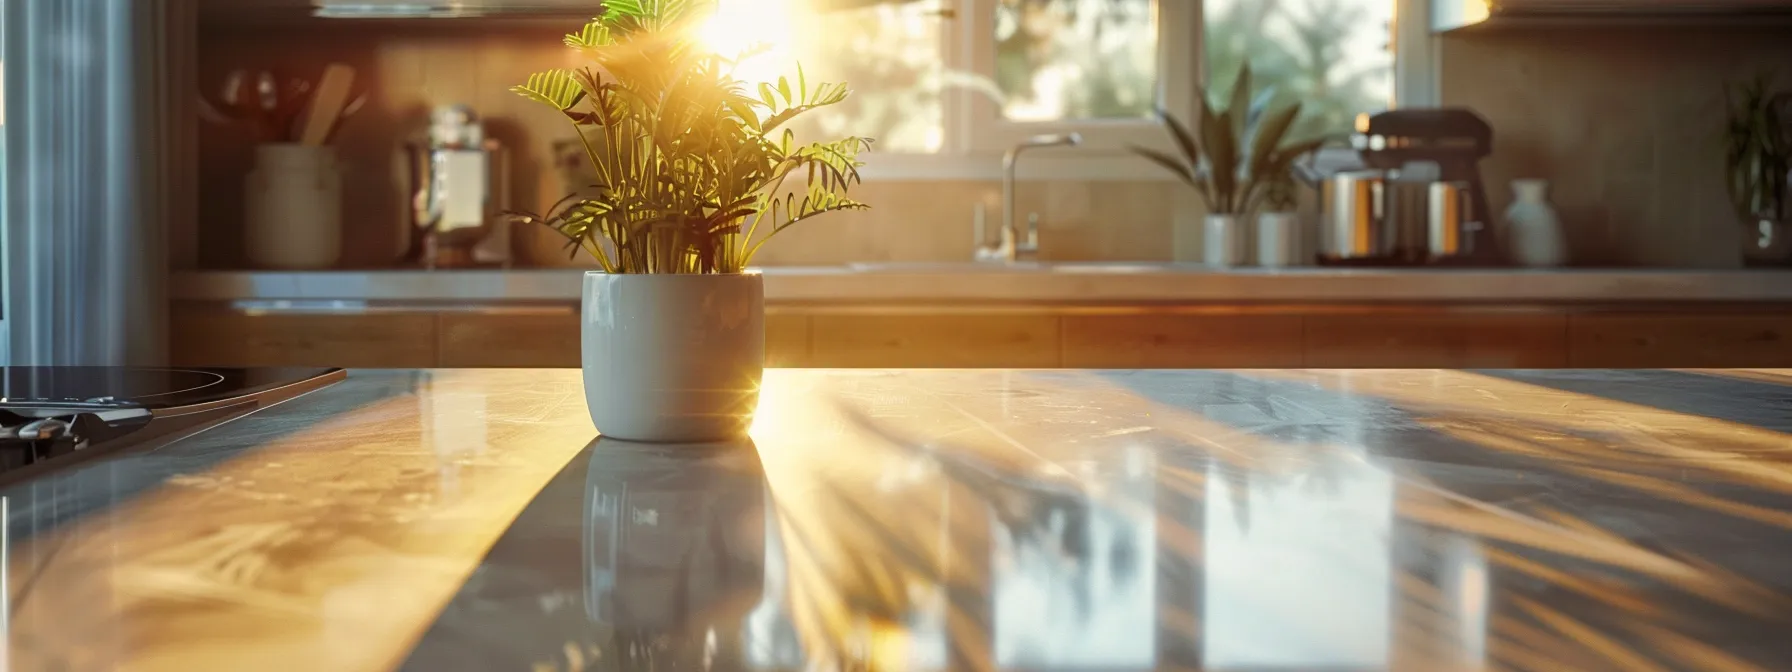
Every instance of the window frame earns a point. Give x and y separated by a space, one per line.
974 134
983 128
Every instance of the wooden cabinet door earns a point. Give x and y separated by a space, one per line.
1411 341
934 340
216 337
1670 340
549 340
1176 341
786 340
510 340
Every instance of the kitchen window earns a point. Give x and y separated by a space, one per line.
945 83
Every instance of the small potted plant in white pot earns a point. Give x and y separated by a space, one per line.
1758 162
1233 159
691 165
1278 224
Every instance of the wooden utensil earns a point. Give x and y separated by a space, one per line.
249 107
232 90
293 101
347 111
327 103
236 104
267 91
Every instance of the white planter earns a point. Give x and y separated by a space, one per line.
672 358
294 207
1278 239
1222 243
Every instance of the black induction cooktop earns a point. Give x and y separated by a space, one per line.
58 415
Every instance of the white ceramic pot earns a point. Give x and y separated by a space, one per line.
672 358
1222 243
1278 239
294 207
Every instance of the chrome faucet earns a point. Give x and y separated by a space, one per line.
1013 244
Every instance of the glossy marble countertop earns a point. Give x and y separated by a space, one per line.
1118 282
932 520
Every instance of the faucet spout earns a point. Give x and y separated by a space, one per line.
1011 236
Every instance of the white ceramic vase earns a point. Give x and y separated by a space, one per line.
1278 239
293 210
1222 243
672 358
1532 226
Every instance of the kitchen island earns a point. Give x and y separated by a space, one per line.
914 520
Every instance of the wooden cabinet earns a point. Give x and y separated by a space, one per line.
786 340
499 339
1072 337
1445 341
1640 339
933 340
204 337
1173 341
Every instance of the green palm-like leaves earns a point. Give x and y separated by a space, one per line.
1236 159
594 35
1758 150
553 87
785 105
690 161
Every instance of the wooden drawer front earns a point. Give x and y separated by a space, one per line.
1436 341
202 338
1640 340
942 341
1182 341
552 341
528 340
786 340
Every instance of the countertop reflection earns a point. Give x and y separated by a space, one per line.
942 520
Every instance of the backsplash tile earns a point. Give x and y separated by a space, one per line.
1624 122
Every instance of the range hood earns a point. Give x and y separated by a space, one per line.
1448 15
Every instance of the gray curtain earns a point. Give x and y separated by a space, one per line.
93 173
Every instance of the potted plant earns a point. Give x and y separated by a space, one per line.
1233 160
1278 225
1758 155
691 164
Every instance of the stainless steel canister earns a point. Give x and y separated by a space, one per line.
1430 220
1353 216
1450 219
460 188
1408 204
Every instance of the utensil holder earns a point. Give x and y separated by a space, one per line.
293 212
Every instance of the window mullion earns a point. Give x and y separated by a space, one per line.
971 112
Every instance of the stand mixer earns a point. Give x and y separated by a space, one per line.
1418 198
1438 206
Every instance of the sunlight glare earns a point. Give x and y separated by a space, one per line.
761 27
